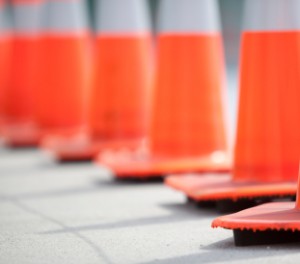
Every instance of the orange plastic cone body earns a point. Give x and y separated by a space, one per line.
188 115
19 106
5 47
119 110
120 95
62 80
118 101
187 128
64 72
268 143
5 56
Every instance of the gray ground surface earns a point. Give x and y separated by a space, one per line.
77 213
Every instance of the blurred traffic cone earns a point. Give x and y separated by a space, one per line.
118 100
187 127
268 139
20 128
265 224
63 83
5 55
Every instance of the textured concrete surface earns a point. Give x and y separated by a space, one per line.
77 213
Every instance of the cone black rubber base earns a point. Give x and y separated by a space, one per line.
228 194
70 161
267 237
206 204
13 145
136 179
230 206
201 204
190 200
21 147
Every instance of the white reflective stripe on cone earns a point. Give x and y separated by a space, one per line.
184 16
65 16
122 16
27 18
271 15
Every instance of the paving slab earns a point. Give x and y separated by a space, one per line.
77 213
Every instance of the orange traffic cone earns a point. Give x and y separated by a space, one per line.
118 100
268 142
63 82
265 224
187 128
5 55
20 128
118 113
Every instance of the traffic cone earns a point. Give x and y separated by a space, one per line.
118 113
265 224
268 142
118 100
20 128
187 122
5 55
64 77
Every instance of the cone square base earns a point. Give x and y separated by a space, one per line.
133 165
265 224
81 147
69 148
226 192
18 136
